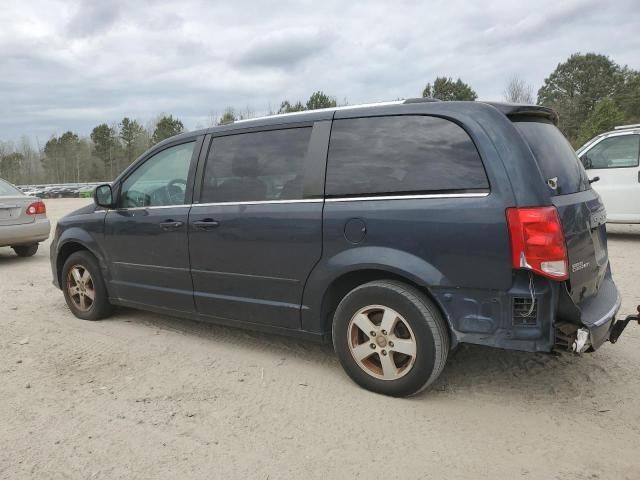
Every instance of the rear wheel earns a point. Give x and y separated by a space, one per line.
26 250
83 287
390 338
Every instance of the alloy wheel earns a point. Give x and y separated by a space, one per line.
381 342
81 288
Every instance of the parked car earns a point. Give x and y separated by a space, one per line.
397 231
23 220
86 191
613 158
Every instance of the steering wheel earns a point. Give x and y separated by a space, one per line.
176 189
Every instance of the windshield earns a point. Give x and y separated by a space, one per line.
557 161
7 189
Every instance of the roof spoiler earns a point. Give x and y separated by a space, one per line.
512 110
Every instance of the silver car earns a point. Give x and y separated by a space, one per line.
23 220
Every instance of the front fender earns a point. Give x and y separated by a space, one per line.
383 259
89 236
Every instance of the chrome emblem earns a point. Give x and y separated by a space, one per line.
579 266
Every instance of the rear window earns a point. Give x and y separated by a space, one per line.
401 154
558 162
8 189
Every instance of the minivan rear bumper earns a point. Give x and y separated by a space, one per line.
598 313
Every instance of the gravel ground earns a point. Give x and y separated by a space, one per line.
145 396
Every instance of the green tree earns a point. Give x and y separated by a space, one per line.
319 100
575 87
10 166
130 133
444 88
604 117
166 127
628 95
229 116
52 160
286 107
69 145
104 144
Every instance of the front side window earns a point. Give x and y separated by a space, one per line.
401 154
256 166
161 180
614 152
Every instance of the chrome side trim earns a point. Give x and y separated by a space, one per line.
152 207
258 202
409 197
313 200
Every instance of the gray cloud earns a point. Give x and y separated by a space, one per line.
284 49
73 64
93 17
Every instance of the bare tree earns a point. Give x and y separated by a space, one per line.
518 91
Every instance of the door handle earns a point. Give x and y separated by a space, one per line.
206 224
171 224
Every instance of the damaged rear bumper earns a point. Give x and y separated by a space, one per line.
598 322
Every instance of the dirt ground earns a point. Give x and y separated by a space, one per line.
145 396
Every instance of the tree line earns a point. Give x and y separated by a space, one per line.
590 92
70 158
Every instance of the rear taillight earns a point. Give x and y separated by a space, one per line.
36 208
537 241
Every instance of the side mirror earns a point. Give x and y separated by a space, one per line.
103 196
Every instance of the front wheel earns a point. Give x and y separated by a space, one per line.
390 338
83 287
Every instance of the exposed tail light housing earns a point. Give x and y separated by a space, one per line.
36 208
537 241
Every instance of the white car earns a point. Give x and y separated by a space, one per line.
614 157
23 220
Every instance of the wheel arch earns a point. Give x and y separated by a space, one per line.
69 244
328 284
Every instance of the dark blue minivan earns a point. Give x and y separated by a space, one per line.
397 231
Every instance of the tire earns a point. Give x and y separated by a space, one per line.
417 327
26 250
76 285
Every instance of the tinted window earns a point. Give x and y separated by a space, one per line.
8 189
614 152
381 155
160 180
554 155
256 166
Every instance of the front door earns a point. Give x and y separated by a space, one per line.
615 160
146 236
257 232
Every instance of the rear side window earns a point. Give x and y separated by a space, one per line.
401 154
555 156
257 166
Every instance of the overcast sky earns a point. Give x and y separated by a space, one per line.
73 64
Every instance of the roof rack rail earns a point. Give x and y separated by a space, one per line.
624 127
329 109
421 100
